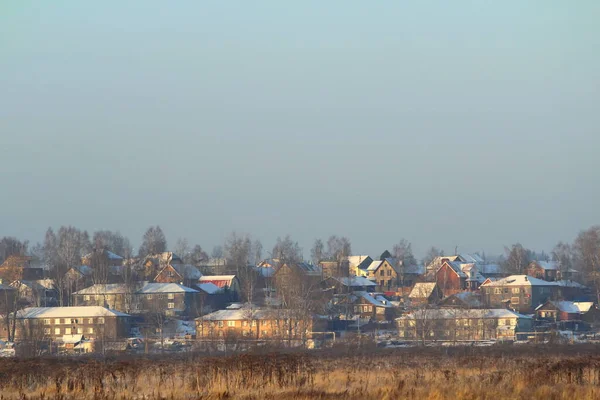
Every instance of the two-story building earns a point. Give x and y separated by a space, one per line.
383 273
52 323
521 293
459 324
252 323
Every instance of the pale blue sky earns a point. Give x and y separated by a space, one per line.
446 123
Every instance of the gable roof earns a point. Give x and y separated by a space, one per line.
209 288
361 262
454 313
470 299
245 313
455 266
68 312
374 298
470 258
520 280
354 281
422 290
187 271
219 280
546 265
166 288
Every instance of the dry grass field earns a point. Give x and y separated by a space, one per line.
503 372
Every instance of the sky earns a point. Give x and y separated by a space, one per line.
472 123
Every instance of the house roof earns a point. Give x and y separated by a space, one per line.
264 271
375 265
520 280
245 313
209 287
566 283
361 262
354 281
422 290
120 288
456 267
68 312
166 288
84 270
471 258
468 298
39 284
547 265
454 313
374 298
219 280
187 271
583 306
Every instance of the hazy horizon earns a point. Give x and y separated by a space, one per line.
457 124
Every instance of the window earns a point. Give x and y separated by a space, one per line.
149 297
505 290
67 331
245 323
101 320
57 321
86 297
382 283
516 290
253 323
47 322
74 321
380 310
97 297
221 333
498 291
231 323
401 323
264 333
79 331
57 331
411 322
171 296
90 330
220 324
382 273
401 333
389 272
514 300
47 331
263 322
90 320
171 305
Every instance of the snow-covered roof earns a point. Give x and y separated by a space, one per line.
583 306
264 271
39 284
209 288
469 298
471 258
356 261
187 271
566 283
520 280
166 288
109 288
422 290
72 339
120 288
68 312
355 281
375 299
457 267
547 265
245 313
414 269
84 270
455 313
374 265
489 269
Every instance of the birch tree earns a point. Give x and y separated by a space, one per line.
153 242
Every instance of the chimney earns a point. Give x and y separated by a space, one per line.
526 278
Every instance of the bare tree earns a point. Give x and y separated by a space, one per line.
403 256
112 241
517 259
237 250
197 256
563 255
587 255
431 254
257 249
317 253
10 246
153 242
287 250
182 248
